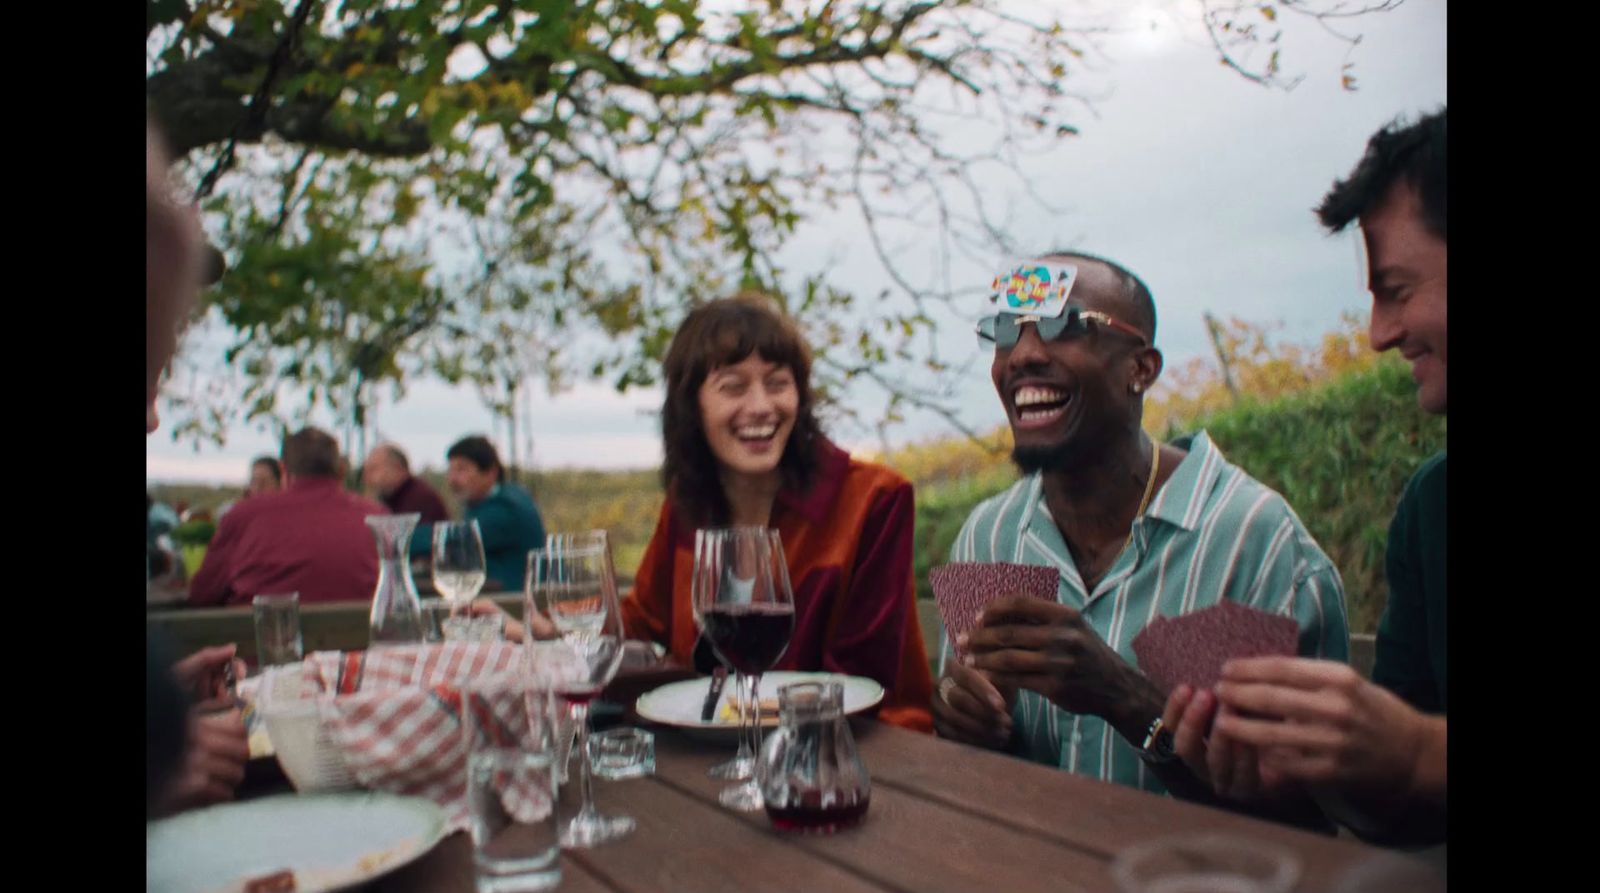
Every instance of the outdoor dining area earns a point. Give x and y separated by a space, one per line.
394 754
834 328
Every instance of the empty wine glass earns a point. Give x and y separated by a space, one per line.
588 539
572 587
459 570
745 608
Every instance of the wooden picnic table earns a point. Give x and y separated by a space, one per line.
943 816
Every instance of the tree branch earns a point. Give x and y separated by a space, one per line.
256 112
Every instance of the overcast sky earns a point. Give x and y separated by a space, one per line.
1196 179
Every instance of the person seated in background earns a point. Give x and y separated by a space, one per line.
195 748
311 537
387 477
266 476
507 518
743 447
160 520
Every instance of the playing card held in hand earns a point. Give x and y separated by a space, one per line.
964 588
1191 648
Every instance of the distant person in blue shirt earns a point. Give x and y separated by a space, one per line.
507 518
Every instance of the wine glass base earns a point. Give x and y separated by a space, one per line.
736 769
742 797
585 832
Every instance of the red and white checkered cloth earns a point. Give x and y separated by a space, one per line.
395 714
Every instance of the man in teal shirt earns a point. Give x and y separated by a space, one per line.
507 519
1373 753
1136 528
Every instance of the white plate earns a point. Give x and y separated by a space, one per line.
329 841
678 704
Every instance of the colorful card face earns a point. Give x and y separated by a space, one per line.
1034 287
1191 648
963 588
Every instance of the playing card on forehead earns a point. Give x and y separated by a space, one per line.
963 588
1191 648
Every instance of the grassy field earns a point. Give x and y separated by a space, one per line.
1340 451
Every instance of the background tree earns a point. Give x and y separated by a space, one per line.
486 189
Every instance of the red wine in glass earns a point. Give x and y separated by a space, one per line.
750 637
816 818
579 694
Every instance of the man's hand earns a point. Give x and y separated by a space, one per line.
1231 769
1023 642
203 676
213 761
968 708
1320 723
515 631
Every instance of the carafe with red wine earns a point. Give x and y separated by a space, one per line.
812 777
745 608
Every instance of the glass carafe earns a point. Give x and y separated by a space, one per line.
396 610
812 778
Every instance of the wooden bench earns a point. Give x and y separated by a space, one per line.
334 626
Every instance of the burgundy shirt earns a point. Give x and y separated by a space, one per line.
416 495
311 538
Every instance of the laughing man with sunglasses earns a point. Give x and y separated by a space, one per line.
1136 528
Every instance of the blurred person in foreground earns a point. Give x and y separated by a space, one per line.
195 745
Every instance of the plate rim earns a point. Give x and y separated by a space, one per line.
341 879
643 702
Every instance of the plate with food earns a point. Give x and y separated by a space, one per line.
307 843
682 704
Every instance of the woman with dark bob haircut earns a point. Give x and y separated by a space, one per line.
742 447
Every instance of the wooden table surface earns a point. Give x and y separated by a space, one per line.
943 817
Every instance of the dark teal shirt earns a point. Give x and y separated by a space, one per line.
511 527
1410 658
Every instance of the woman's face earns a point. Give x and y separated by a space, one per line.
261 481
747 411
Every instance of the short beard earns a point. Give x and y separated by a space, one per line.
1032 459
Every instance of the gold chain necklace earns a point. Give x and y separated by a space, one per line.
1149 487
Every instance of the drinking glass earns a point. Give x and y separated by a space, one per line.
511 788
588 539
745 608
571 586
278 639
434 613
1203 862
458 564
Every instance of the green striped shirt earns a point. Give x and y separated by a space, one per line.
1211 532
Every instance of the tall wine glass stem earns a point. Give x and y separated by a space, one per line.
580 715
741 765
746 752
753 696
